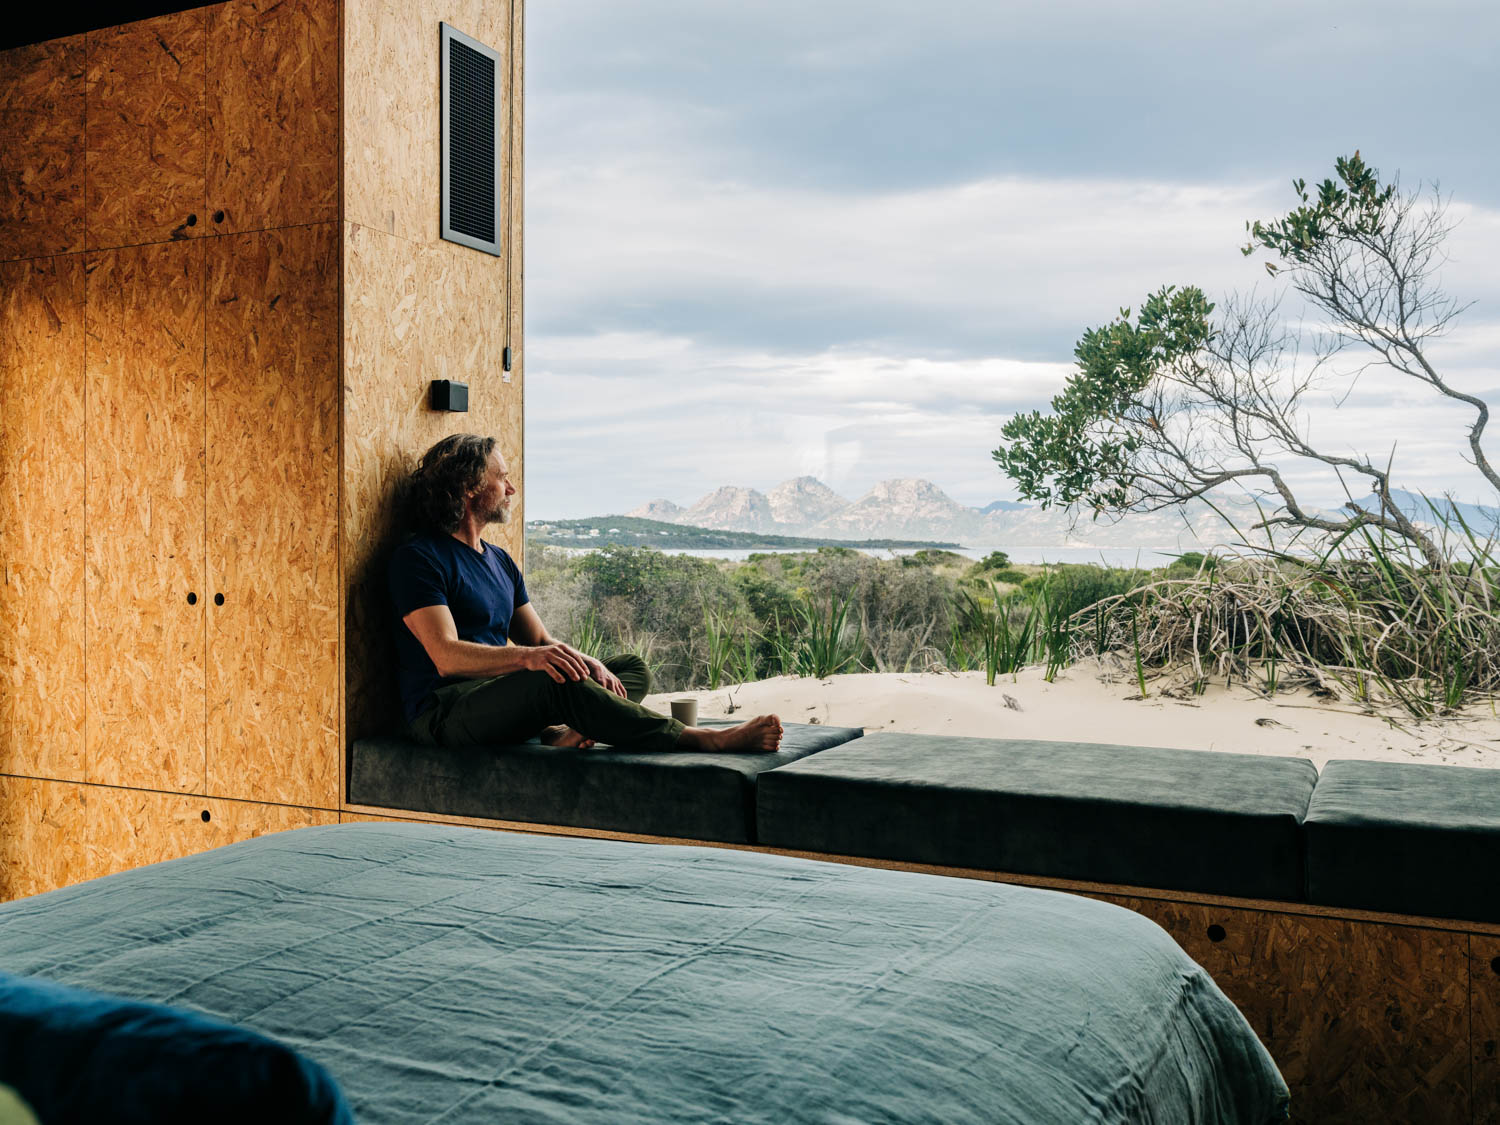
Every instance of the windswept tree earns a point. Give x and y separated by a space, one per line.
1185 398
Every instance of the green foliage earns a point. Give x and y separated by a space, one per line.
767 596
1071 587
625 571
719 632
654 604
826 642
1356 207
994 567
587 636
959 654
929 557
1004 626
1083 452
1193 561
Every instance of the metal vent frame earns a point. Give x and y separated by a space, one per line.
449 35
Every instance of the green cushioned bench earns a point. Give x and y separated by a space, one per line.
1226 824
695 796
1406 838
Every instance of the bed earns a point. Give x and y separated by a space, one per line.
459 975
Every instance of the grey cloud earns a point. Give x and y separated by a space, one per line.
877 96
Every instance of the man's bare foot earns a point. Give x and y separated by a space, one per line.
759 735
565 736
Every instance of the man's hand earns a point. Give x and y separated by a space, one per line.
560 661
604 676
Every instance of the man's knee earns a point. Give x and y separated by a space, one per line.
633 673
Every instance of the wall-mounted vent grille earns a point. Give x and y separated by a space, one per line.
471 142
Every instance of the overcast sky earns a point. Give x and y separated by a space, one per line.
852 239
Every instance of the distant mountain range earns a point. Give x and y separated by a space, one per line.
919 509
1482 521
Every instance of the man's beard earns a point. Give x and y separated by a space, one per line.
501 515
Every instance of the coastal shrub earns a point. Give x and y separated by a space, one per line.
826 641
1374 623
653 604
1193 561
1071 587
768 598
979 574
933 557
903 612
1003 628
719 633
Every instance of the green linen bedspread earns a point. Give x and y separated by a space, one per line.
459 975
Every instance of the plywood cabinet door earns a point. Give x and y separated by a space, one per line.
273 101
41 160
41 517
129 828
42 826
145 521
146 135
273 466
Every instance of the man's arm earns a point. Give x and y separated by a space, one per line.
434 627
526 628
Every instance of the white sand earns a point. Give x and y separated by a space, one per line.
1087 703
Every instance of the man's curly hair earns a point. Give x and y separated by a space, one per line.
437 490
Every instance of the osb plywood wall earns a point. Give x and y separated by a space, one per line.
222 298
416 308
170 274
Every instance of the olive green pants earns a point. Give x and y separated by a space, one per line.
518 705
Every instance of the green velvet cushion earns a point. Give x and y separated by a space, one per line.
670 793
1406 838
1143 816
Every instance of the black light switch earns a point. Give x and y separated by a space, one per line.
448 394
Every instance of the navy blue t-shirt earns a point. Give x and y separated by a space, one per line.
482 591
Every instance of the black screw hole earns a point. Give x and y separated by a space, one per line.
218 216
192 599
192 220
1495 964
205 816
218 599
1216 933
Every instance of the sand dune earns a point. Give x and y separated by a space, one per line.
1091 703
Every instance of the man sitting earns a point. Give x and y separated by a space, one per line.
477 665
